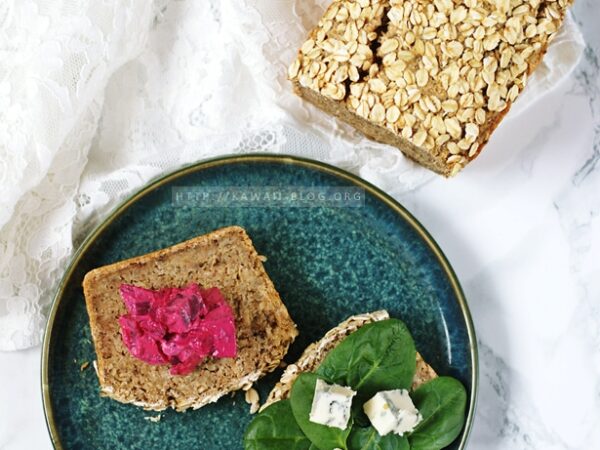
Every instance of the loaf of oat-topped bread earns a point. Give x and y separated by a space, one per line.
431 77
225 259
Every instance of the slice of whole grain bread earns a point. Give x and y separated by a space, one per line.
315 353
224 258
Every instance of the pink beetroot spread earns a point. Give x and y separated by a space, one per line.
177 326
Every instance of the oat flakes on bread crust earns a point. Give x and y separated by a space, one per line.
431 77
224 258
316 352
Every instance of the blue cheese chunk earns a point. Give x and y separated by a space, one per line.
392 411
331 405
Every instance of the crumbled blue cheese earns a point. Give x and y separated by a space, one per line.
392 411
331 405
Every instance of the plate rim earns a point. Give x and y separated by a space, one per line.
259 158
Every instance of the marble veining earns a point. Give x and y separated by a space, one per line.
588 77
559 406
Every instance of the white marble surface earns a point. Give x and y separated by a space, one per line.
521 226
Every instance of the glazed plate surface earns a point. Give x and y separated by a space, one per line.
335 246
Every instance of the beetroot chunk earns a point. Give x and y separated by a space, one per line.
177 326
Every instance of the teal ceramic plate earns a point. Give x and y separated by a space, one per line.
336 246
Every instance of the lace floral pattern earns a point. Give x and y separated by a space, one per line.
98 97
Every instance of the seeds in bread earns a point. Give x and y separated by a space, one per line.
224 258
433 78
315 353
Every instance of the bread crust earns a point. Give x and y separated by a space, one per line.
311 85
224 258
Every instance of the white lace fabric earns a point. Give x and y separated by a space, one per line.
99 97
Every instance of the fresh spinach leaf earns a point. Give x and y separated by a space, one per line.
359 416
301 398
369 439
276 429
441 402
377 357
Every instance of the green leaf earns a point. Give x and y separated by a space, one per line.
323 437
275 429
377 357
369 439
441 402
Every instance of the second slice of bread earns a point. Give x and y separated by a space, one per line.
315 354
224 258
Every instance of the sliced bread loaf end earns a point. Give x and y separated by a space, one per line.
433 78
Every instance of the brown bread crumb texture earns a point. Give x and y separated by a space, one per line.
431 77
224 258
